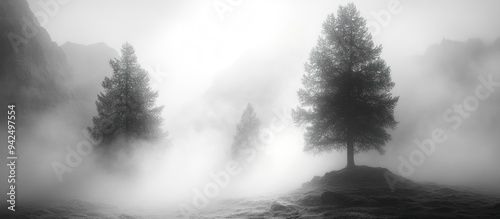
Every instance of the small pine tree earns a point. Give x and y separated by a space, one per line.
126 110
346 99
246 131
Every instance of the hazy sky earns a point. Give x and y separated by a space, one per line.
154 25
188 39
211 66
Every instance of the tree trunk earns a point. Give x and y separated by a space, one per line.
350 153
126 103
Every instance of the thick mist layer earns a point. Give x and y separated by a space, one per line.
207 65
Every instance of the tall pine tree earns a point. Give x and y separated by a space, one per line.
246 131
346 100
126 110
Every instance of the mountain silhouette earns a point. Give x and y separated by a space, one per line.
34 71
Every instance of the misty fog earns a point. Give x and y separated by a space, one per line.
207 65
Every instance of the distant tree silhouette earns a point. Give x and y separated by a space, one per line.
345 100
127 108
246 132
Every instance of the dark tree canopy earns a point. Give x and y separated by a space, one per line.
126 110
345 100
247 131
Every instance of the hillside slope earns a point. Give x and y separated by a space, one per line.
361 192
34 71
